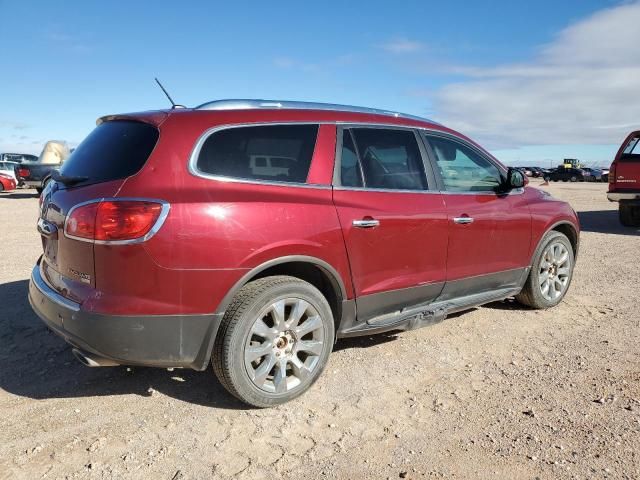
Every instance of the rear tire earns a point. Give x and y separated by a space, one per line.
574 178
274 341
551 272
629 215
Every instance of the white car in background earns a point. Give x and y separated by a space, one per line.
9 168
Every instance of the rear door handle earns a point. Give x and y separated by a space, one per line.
366 223
463 220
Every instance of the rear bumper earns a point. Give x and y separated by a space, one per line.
153 340
623 196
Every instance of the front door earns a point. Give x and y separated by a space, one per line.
489 232
394 223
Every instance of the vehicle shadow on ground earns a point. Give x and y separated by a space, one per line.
604 221
38 364
18 196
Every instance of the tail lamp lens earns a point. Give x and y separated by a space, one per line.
23 172
612 173
113 220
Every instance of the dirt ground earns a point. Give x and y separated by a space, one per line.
497 392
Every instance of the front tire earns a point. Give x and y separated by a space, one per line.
274 341
551 272
629 215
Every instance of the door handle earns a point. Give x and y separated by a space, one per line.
366 223
463 220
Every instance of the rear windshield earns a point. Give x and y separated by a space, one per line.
114 150
631 152
280 153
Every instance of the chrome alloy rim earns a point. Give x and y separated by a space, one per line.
284 345
554 271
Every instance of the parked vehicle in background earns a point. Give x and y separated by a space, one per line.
37 175
9 168
624 180
7 182
605 174
537 172
18 157
595 174
568 174
257 267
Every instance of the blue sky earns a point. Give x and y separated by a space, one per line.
526 79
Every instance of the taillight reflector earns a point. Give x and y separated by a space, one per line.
612 173
113 220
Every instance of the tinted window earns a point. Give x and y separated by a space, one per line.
236 152
350 174
114 150
631 152
390 159
462 169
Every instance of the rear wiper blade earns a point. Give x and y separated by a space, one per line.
68 179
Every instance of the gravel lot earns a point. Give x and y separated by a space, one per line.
497 392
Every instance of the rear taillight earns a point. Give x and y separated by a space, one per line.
612 174
23 172
115 220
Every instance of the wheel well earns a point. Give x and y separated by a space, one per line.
316 276
570 233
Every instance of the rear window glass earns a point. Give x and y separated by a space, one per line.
279 153
113 150
631 152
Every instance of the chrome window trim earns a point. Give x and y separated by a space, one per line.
387 190
429 176
164 213
50 293
195 153
455 138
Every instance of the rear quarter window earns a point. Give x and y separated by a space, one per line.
631 152
279 153
113 150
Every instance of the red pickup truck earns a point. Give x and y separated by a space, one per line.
624 180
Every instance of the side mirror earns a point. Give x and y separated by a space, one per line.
515 179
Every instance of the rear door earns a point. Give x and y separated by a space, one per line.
394 222
627 168
114 151
489 233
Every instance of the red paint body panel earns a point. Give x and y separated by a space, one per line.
7 183
408 249
624 176
497 240
218 230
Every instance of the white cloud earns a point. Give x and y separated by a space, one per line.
402 45
582 88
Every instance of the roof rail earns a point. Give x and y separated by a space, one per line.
251 104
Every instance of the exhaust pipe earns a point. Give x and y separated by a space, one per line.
89 360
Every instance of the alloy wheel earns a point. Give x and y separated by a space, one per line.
554 271
284 345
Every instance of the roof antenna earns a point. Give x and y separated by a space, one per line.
173 104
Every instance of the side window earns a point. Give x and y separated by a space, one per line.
462 169
273 152
350 174
390 159
631 152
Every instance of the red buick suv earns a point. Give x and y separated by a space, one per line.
252 234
